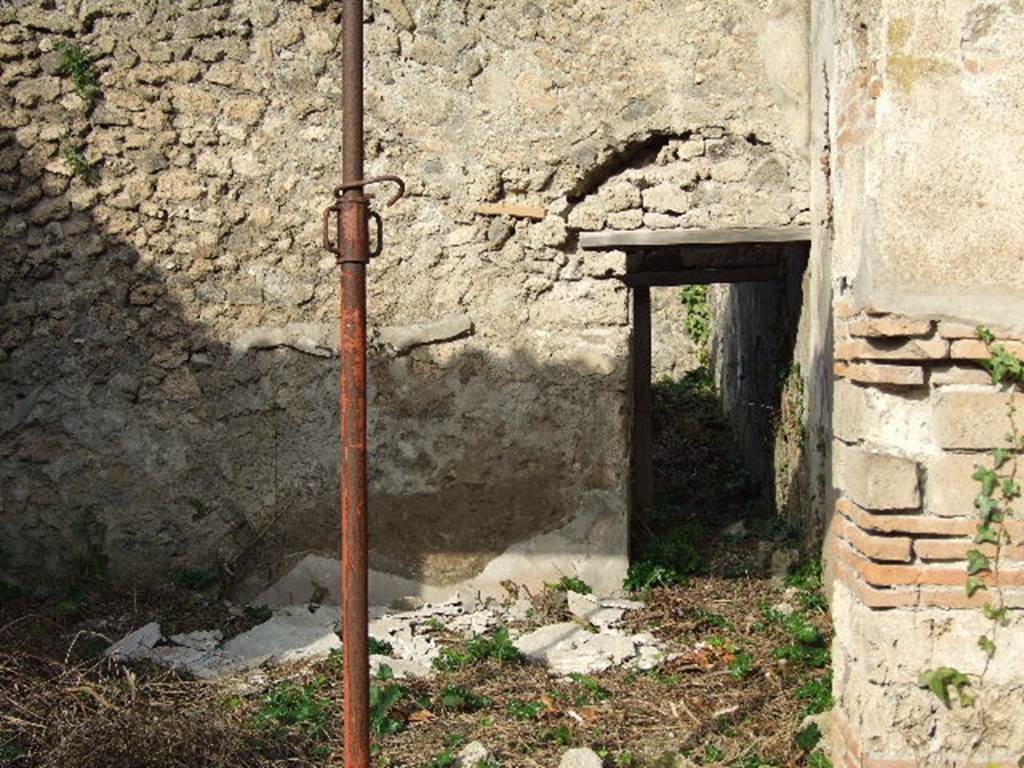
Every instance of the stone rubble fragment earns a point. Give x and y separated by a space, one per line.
400 668
201 641
289 635
581 758
135 645
471 755
592 643
568 648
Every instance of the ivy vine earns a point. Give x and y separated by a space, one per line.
998 489
698 319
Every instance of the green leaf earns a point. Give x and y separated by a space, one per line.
808 738
974 585
986 535
986 644
939 681
987 507
977 562
1001 456
988 478
998 615
985 334
1011 489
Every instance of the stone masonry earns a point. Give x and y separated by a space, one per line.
913 213
168 360
168 354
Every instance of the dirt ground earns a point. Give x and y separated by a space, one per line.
748 659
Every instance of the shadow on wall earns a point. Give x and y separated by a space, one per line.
122 408
772 392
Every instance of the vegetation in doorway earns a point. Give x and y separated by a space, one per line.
698 319
998 489
702 489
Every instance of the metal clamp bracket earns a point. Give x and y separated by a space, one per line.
351 194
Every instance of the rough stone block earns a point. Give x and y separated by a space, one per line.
973 420
588 215
889 325
888 375
849 409
949 490
914 349
667 198
976 349
876 480
959 374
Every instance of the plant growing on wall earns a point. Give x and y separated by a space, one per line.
998 489
698 318
76 63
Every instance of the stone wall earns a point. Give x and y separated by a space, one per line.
915 415
673 352
913 203
761 370
168 324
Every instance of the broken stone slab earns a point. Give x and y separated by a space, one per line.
592 609
400 668
648 657
403 338
607 618
581 758
540 642
582 606
409 645
519 610
625 605
203 640
476 623
567 649
291 634
135 645
202 665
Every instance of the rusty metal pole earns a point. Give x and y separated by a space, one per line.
350 215
355 248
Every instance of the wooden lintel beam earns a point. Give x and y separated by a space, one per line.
702 276
641 238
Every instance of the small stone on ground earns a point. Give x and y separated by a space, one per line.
580 758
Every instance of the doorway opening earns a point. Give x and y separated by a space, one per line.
716 429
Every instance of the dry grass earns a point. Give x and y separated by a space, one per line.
65 708
734 694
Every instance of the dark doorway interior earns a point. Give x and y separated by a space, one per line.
704 445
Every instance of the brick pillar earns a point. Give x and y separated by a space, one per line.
914 413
